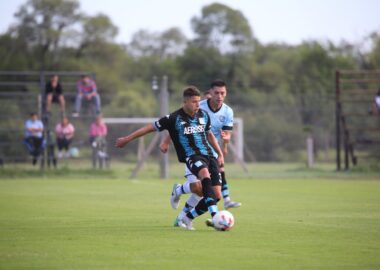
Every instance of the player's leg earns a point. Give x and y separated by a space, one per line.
188 187
228 203
192 201
201 166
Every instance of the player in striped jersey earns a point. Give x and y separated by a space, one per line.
195 144
221 126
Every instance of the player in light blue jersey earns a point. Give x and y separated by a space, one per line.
222 119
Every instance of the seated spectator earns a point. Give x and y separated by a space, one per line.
64 132
86 89
98 133
54 93
376 104
98 129
34 136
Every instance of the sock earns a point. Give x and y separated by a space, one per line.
187 208
190 204
209 196
225 191
198 210
193 200
183 189
208 201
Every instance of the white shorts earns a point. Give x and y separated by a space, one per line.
190 177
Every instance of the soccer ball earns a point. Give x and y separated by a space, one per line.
223 220
74 152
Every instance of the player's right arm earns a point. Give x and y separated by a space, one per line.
164 146
122 141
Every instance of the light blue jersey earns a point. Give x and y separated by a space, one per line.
222 119
33 124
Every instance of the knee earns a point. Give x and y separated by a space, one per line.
197 188
203 173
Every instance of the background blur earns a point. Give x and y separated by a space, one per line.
283 89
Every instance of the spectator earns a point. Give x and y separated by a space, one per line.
98 129
86 88
34 136
64 132
98 133
376 104
54 93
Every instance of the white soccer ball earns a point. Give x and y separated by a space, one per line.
74 152
223 220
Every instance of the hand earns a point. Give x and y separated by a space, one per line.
164 147
220 160
121 142
226 136
88 97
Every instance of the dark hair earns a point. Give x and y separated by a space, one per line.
191 91
33 114
378 92
218 83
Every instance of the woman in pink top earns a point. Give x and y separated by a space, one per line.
98 129
64 132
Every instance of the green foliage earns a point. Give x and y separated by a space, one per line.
277 88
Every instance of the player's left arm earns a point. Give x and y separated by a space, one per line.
214 143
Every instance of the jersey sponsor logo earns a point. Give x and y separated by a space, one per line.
183 123
198 163
194 129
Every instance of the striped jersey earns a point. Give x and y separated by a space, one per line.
222 119
86 88
189 134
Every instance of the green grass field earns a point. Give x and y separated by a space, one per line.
291 218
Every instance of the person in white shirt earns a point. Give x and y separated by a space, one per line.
34 136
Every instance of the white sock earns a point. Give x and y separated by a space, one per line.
227 199
183 189
193 200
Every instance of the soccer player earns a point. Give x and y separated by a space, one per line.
221 126
190 130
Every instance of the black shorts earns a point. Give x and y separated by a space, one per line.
197 162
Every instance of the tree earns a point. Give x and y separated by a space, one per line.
168 44
222 27
97 31
201 65
42 24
